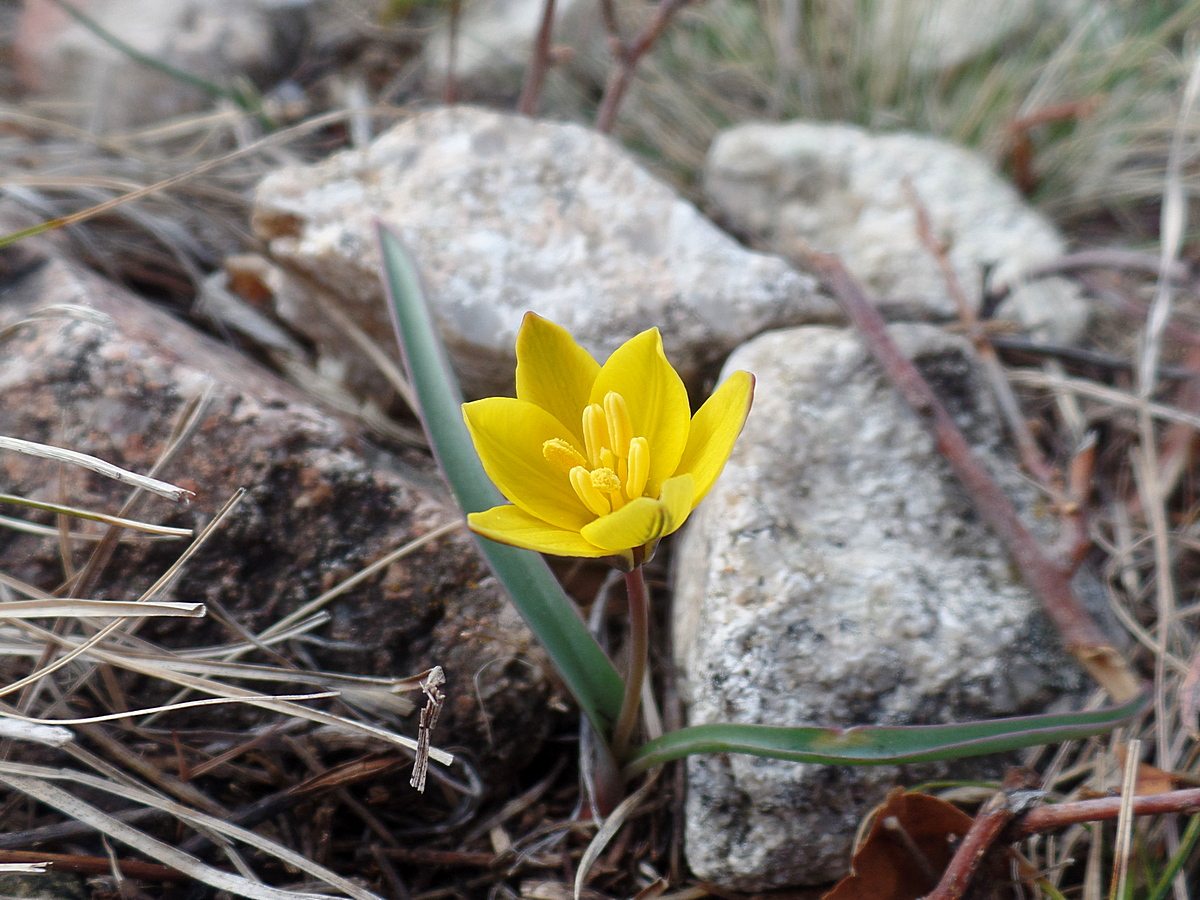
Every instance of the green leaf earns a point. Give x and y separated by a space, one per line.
869 745
551 615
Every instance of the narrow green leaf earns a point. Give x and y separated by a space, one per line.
868 745
534 590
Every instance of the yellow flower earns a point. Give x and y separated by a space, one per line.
599 461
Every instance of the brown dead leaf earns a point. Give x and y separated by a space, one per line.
1151 779
908 846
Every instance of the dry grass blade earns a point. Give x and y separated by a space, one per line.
58 311
156 588
50 531
68 606
166 707
608 830
107 469
1083 388
54 796
21 730
77 513
208 686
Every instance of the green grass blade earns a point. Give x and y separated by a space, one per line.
551 615
867 745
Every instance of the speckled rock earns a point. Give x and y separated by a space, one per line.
837 575
806 185
505 214
321 504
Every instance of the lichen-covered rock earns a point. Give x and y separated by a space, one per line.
802 186
837 575
505 214
320 505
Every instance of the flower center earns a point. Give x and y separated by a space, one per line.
614 464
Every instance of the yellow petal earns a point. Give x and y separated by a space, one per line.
511 525
655 397
643 520
554 372
679 497
508 436
714 430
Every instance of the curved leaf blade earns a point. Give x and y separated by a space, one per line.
869 745
550 614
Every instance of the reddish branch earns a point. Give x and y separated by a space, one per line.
1050 582
535 75
1071 507
996 815
628 55
1059 815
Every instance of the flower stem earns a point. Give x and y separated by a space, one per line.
639 649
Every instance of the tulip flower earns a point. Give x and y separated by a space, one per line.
599 461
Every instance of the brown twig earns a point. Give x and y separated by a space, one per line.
95 865
535 75
1031 456
1045 819
628 55
450 89
1050 582
1016 795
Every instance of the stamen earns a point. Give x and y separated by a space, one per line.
639 468
608 459
595 432
620 427
562 455
581 481
606 480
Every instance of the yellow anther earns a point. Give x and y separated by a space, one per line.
620 427
639 468
581 481
595 432
606 480
608 459
562 455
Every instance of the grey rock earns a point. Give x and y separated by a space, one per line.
505 214
50 885
62 59
321 505
802 186
838 575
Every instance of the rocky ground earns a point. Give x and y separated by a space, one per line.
210 311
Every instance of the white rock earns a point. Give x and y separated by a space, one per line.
505 214
61 58
834 187
837 575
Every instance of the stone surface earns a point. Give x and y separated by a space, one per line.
838 575
321 504
60 58
505 214
838 188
